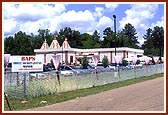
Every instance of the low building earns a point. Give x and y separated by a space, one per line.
72 55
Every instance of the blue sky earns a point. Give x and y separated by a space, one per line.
83 17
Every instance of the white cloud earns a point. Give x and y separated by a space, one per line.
98 11
10 27
30 17
82 21
111 6
159 23
32 12
82 16
104 22
139 14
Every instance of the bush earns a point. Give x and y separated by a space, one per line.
105 61
124 62
138 62
85 62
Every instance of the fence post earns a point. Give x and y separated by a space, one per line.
25 95
7 101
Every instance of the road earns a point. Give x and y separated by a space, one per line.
144 96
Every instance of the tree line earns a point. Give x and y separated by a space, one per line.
23 44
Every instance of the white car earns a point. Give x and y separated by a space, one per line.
136 66
112 66
66 72
38 75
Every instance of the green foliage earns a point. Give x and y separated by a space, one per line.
87 41
105 61
96 38
109 38
138 62
22 44
154 44
130 35
85 62
124 62
72 36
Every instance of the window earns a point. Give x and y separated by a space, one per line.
71 59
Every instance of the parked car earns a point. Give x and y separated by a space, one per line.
136 66
68 70
112 66
123 67
46 68
38 75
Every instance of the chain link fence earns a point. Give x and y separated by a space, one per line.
30 85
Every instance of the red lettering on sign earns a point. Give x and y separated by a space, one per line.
28 58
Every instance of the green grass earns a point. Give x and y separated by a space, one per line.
16 104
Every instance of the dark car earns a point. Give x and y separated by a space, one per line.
123 67
47 68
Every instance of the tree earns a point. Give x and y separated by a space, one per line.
105 61
124 62
96 37
85 62
75 39
45 34
148 44
130 35
87 41
154 44
8 45
122 41
72 36
20 44
148 37
109 38
158 38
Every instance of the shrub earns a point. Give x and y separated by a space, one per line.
105 61
85 62
124 62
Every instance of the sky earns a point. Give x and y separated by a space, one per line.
83 17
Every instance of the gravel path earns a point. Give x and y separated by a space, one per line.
144 96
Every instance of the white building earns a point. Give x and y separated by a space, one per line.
71 55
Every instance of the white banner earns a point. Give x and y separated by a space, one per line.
56 60
6 59
95 59
27 63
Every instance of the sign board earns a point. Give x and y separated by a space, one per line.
27 63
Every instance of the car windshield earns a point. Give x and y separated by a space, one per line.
67 68
112 64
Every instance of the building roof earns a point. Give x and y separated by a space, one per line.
50 50
55 47
44 45
65 44
54 43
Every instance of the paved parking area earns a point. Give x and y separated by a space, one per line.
144 96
